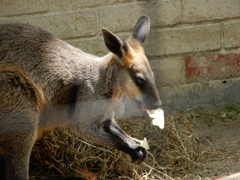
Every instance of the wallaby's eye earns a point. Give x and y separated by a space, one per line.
139 81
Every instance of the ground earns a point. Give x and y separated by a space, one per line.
220 137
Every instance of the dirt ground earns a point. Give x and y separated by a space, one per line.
221 142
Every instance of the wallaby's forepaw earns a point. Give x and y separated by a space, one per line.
139 155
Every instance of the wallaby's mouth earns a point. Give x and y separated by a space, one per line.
139 105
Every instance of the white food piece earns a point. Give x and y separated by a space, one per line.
143 143
158 117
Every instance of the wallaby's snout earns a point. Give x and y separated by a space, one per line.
148 100
151 104
151 99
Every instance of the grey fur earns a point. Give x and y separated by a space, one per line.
46 83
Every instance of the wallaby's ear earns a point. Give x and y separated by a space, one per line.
114 44
141 29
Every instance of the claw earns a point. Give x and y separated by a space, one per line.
139 155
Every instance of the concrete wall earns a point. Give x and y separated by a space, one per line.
193 46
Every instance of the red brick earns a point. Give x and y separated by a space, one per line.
212 66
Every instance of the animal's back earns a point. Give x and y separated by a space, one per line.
35 44
49 61
21 39
27 47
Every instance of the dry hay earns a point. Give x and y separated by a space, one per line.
173 151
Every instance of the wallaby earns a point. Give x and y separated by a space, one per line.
45 83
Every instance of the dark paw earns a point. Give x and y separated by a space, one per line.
139 155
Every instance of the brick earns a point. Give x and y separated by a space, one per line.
201 94
212 66
15 7
121 1
194 95
184 40
123 17
204 10
94 46
232 34
73 5
67 25
169 71
232 90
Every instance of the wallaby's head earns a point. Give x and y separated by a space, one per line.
136 79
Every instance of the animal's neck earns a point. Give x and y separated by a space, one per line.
109 71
